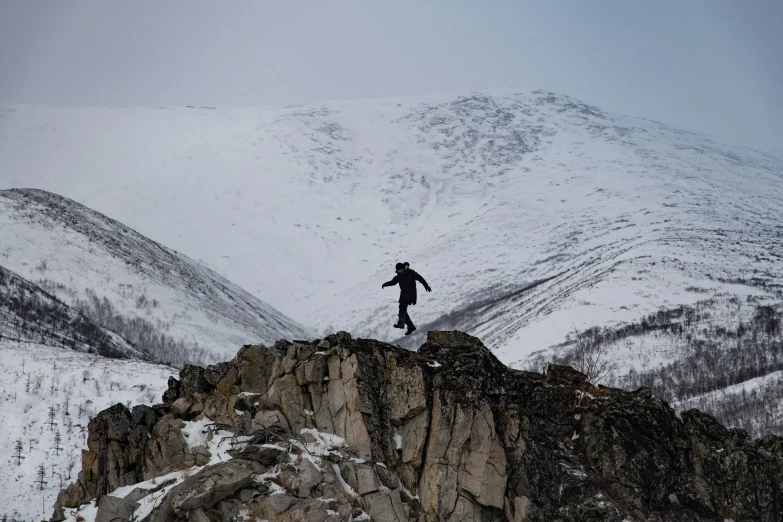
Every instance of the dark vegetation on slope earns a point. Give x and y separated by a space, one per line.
141 332
711 358
147 334
204 289
30 314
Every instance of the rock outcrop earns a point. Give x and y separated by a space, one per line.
350 429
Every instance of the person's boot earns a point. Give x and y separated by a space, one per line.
400 322
409 324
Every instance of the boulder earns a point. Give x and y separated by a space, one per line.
211 485
193 381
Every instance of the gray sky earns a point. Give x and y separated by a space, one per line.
709 65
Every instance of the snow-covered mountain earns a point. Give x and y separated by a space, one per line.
166 304
529 213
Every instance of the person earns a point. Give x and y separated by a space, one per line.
406 277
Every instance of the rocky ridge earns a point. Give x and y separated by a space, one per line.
345 429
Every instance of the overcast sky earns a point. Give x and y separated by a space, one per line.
709 65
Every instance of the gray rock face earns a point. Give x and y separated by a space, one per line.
112 509
200 492
403 439
300 480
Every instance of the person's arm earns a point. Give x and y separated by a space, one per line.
390 283
423 282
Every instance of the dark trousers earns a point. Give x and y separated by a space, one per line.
404 317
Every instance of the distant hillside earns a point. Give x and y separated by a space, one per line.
164 303
28 314
531 214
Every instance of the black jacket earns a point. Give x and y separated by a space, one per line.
407 281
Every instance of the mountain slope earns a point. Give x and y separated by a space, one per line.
29 314
485 194
128 283
46 392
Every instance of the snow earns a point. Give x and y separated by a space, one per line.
72 251
346 487
309 207
324 444
196 432
165 483
530 214
89 384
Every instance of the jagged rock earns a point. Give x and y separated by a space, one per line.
367 479
300 480
172 447
202 455
117 420
557 374
143 415
267 455
207 487
192 380
388 478
305 351
343 338
181 406
172 392
215 372
385 506
311 371
305 511
112 508
245 496
466 439
198 515
693 492
285 393
269 508
268 419
230 509
349 473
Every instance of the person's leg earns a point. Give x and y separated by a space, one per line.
402 314
408 321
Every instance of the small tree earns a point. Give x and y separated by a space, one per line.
590 358
57 441
40 477
18 448
52 414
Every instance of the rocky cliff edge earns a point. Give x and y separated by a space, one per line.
345 429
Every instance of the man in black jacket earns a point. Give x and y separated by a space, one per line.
407 278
